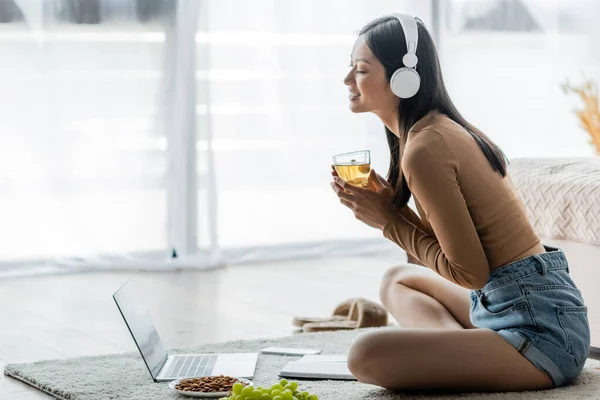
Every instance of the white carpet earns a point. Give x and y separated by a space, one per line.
125 376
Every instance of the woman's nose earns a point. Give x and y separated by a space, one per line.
349 78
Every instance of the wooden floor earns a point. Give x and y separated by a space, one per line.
65 316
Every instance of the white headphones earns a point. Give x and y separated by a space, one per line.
405 81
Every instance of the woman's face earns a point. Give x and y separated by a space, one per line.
368 86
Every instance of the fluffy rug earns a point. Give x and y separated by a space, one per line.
125 376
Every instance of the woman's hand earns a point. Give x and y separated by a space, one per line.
372 205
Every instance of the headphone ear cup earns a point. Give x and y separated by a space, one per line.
405 82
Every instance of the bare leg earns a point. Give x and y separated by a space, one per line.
419 298
434 359
451 355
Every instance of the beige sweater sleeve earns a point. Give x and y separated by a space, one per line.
412 216
455 251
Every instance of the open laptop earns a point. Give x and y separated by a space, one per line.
165 367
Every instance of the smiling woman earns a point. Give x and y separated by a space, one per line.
368 89
473 235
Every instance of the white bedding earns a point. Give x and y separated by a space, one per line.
561 196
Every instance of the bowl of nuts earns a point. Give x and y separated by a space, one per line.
207 386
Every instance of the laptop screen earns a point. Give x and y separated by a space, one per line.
142 329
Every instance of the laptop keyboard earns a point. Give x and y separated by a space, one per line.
191 366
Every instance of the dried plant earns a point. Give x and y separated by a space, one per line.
589 115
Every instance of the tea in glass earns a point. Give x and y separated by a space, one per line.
354 167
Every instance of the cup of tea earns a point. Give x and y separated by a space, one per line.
354 167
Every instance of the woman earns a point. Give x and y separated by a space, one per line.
495 310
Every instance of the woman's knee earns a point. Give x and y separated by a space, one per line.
361 357
398 274
368 359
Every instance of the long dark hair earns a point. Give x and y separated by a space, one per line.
385 39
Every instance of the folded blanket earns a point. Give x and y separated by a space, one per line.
561 196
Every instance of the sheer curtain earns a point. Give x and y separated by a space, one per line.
82 169
179 133
505 62
278 112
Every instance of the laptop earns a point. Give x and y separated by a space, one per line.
164 367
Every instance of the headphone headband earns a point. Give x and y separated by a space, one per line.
411 34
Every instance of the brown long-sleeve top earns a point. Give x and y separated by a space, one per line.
471 219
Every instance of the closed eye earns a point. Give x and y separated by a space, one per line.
358 72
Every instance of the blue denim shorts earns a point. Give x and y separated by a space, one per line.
534 304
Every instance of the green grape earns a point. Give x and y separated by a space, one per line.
287 394
247 390
237 388
276 386
283 390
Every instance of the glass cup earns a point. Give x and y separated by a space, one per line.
354 167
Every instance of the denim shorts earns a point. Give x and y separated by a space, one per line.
534 304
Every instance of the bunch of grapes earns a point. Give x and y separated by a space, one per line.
283 390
